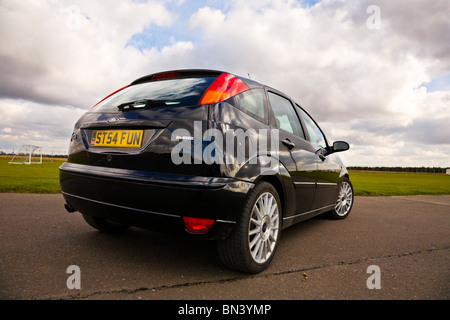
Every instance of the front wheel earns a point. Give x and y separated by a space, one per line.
344 201
251 246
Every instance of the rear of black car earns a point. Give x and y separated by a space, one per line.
122 166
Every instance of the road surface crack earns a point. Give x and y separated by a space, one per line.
133 291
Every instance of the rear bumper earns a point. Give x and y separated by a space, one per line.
154 200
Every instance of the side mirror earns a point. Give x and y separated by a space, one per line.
340 146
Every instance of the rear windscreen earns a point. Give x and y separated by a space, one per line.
173 93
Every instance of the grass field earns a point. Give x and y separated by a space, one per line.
44 178
391 184
33 178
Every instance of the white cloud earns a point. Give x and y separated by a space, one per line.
364 85
61 57
72 52
325 57
26 122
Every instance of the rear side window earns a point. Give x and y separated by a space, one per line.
174 92
252 102
285 115
315 134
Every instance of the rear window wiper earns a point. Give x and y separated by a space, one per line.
145 103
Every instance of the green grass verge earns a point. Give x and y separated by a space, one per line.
392 184
44 178
32 178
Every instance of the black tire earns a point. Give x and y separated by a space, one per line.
105 225
251 246
344 202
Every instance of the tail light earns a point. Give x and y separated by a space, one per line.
198 225
224 87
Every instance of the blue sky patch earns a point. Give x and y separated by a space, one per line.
438 84
309 3
159 37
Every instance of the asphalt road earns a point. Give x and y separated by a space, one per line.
406 238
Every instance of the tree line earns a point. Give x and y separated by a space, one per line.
436 170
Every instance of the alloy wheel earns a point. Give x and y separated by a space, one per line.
263 227
345 199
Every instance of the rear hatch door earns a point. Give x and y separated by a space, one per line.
133 128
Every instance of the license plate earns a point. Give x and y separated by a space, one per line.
117 138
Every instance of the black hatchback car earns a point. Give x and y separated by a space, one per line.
207 154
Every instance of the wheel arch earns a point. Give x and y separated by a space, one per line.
282 182
275 181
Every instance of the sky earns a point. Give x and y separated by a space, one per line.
374 73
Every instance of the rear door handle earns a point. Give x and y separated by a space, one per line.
288 143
